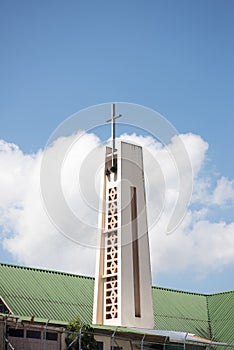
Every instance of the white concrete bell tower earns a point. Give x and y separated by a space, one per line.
123 292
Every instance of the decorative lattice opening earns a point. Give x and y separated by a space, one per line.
111 256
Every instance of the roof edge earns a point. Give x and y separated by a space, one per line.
179 291
22 267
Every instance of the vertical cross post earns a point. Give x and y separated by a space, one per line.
112 120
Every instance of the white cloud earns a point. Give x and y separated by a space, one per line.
196 148
15 173
200 248
224 192
31 238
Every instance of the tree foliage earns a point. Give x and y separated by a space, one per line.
87 338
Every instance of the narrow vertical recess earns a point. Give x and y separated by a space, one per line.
135 253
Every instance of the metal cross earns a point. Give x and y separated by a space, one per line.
112 120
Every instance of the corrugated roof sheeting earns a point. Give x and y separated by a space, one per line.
180 311
46 294
221 310
61 296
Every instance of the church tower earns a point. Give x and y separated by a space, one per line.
123 294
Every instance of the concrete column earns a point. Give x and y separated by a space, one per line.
123 292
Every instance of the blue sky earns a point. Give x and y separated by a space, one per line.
175 57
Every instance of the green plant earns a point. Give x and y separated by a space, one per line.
80 334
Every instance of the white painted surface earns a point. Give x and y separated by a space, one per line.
129 173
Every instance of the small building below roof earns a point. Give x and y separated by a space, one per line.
36 297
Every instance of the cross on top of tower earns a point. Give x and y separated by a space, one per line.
112 120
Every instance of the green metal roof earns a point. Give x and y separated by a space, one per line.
221 310
61 297
180 311
46 294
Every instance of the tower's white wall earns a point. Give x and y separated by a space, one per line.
98 304
130 173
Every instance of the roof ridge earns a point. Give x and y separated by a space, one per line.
219 293
180 291
209 318
46 270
